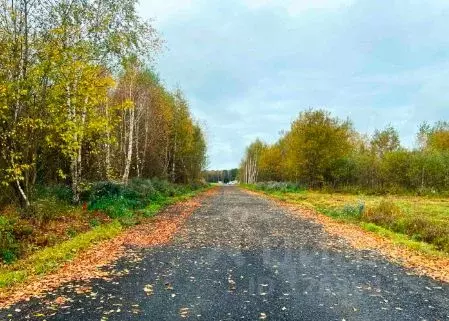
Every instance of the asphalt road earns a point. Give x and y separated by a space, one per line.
241 257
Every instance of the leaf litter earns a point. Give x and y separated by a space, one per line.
88 265
420 263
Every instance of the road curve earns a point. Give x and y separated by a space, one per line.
242 257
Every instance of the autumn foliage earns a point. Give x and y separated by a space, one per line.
79 101
321 151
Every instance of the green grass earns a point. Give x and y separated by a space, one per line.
49 259
418 222
126 211
402 239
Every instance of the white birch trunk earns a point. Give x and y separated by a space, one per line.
130 147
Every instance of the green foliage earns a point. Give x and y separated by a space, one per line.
43 210
284 187
9 246
419 227
61 193
225 176
151 209
94 222
347 212
403 239
146 196
115 207
141 189
385 141
326 153
71 232
386 213
51 258
165 188
419 222
78 103
104 190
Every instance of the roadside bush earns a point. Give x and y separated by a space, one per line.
119 201
354 211
62 193
9 247
104 189
94 222
114 199
428 230
165 188
114 207
198 184
349 211
44 210
140 189
283 187
386 214
420 228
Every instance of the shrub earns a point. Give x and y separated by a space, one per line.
61 193
354 211
284 187
386 213
9 247
43 210
71 232
420 228
349 211
436 234
119 201
164 187
94 222
23 229
114 207
198 184
105 189
142 189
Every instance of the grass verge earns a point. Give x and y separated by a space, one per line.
49 259
416 222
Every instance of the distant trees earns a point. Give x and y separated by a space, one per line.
225 176
307 153
78 102
322 151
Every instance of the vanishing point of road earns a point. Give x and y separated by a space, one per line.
242 257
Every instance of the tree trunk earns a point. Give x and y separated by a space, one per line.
130 147
138 158
108 147
24 201
74 175
173 168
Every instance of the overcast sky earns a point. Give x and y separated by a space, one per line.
249 67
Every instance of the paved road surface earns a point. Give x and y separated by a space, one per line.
241 257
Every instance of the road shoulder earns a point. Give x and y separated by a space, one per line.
89 263
435 267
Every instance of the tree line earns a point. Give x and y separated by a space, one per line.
79 101
225 176
323 151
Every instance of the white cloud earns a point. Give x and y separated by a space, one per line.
249 67
165 10
294 7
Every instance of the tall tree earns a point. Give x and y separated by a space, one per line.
384 141
315 143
